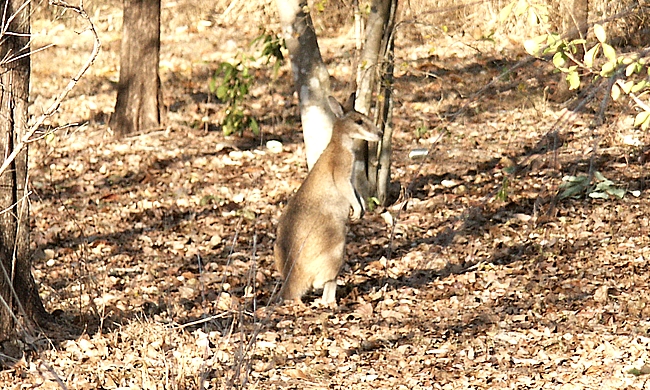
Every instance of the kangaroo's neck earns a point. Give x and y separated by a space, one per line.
341 139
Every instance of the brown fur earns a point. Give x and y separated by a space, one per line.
310 243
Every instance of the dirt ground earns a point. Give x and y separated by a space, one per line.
155 251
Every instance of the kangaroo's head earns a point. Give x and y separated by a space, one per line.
353 123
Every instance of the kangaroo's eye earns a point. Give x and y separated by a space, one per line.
359 121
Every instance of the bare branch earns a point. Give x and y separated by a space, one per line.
57 102
3 28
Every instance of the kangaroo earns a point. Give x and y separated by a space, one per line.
310 242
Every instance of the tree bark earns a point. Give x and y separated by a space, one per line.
139 99
372 162
574 18
310 76
18 291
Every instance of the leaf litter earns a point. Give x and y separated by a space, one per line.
156 250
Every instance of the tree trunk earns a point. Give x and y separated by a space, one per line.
18 291
372 162
310 76
574 18
139 99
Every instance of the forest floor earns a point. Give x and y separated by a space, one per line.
155 251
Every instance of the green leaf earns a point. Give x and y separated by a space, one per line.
502 195
559 60
641 119
521 7
598 195
643 84
506 11
276 68
600 33
222 90
531 47
553 39
634 371
542 12
226 69
246 214
573 79
630 69
627 86
555 43
573 186
608 68
255 127
209 199
605 185
617 192
590 56
372 203
49 137
609 52
223 66
532 17
615 92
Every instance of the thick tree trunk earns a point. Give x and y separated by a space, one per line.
18 291
372 162
139 100
310 76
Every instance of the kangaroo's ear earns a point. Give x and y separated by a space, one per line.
349 104
336 107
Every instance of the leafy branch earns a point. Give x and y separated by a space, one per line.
232 82
600 61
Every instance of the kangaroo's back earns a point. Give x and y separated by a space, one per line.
310 243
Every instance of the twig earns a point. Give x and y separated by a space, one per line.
16 203
71 84
636 99
407 198
3 29
201 321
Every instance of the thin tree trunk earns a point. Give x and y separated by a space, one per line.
372 162
311 78
386 149
139 100
18 291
